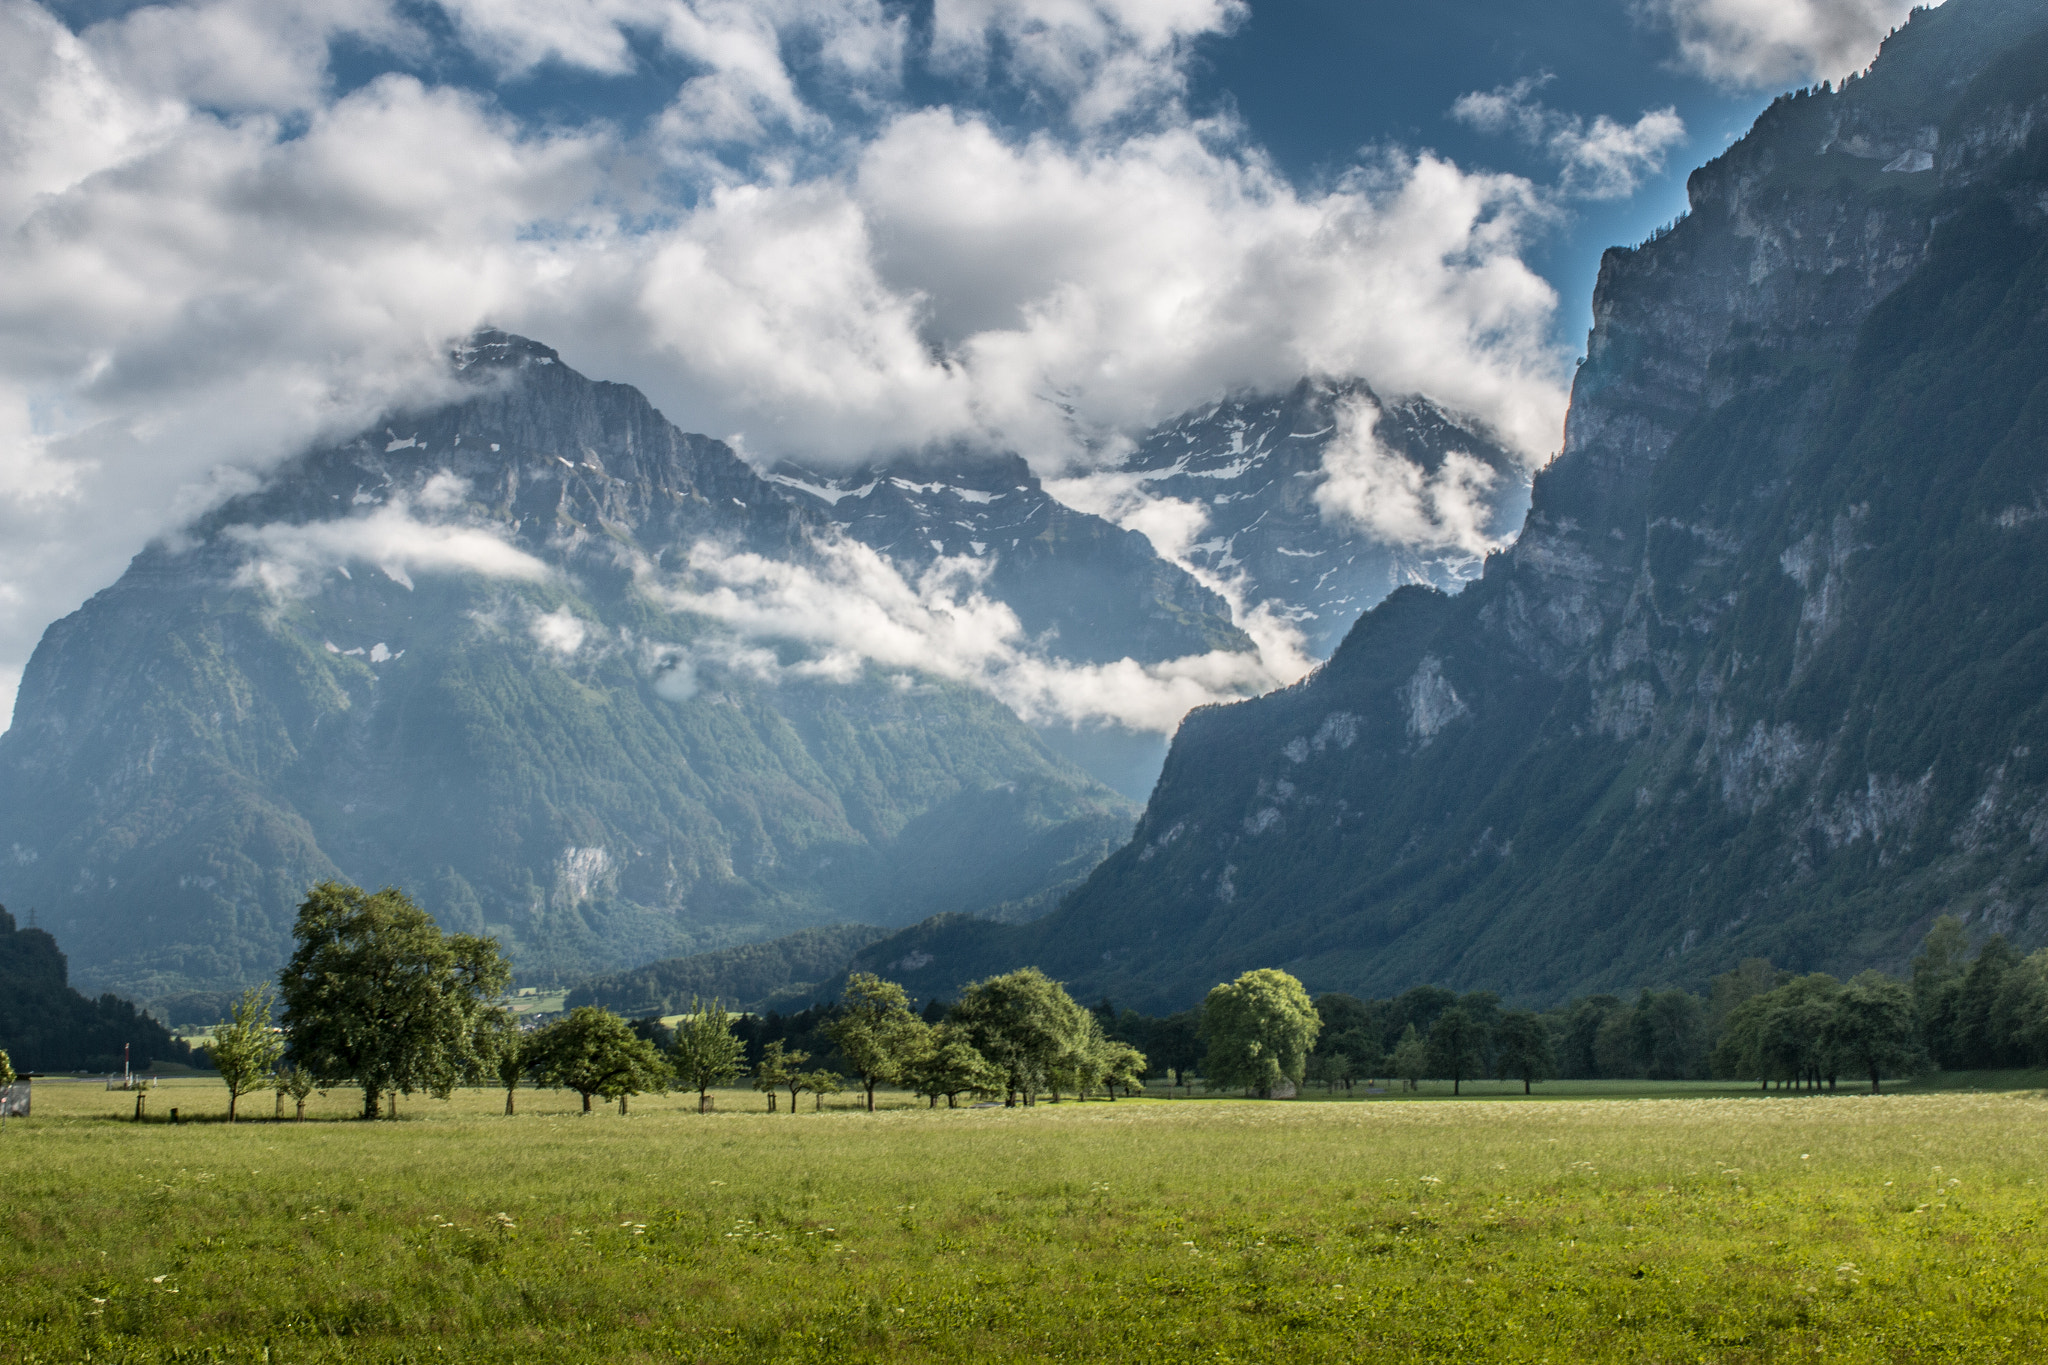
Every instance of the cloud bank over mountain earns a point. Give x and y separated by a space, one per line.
1761 44
848 228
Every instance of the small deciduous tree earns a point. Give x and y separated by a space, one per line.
502 1053
776 1070
793 1060
1175 1043
949 1065
1259 1029
706 1052
1122 1065
821 1084
875 1031
1411 1058
245 1046
1523 1049
594 1053
1327 1069
297 1082
1360 1046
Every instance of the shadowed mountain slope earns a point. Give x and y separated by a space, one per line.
1766 672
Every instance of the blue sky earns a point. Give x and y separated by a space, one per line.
1317 79
817 228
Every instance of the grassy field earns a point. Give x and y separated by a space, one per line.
1696 1228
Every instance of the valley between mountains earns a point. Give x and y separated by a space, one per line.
1761 677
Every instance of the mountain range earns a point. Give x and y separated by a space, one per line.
588 683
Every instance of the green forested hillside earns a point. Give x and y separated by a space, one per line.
749 976
45 1025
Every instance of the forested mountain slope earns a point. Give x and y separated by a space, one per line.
45 1025
1766 673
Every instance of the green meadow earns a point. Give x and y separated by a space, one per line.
1709 1225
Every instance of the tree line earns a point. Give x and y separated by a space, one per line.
375 996
1957 1011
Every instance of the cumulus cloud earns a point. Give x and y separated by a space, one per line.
1759 44
1393 499
240 54
850 609
1598 160
209 258
287 557
1102 58
561 631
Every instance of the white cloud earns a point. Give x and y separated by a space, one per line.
741 42
851 609
1762 44
286 557
1102 58
1600 160
561 630
1393 499
240 54
1137 279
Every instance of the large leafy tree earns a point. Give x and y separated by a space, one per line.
875 1031
595 1053
245 1046
1873 1028
1457 1046
1026 1024
1523 1048
377 996
706 1052
1259 1029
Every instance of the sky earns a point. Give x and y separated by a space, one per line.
816 228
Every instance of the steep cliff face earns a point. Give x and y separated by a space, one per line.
460 655
1763 673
